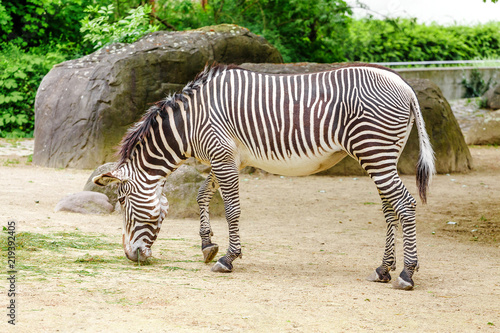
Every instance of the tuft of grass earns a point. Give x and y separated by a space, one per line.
58 242
92 259
10 162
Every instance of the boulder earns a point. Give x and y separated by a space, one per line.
110 190
83 107
485 130
181 190
492 97
452 153
85 202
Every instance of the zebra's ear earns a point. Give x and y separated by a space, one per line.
105 179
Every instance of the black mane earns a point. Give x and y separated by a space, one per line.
141 130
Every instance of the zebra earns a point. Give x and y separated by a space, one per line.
292 125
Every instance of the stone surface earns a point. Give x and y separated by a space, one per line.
485 130
85 202
181 190
84 106
452 153
492 97
110 190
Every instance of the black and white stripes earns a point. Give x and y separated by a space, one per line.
294 125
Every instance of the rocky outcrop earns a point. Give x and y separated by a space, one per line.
181 190
452 153
450 148
485 130
85 202
84 106
110 190
492 97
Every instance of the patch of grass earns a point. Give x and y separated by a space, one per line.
92 259
85 273
58 242
10 162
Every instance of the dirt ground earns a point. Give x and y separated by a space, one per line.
308 245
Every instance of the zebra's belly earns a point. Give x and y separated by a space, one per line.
294 165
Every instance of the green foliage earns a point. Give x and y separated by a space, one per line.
100 30
475 86
36 34
32 23
312 30
20 75
404 40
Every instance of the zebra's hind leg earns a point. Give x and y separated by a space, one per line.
381 274
228 179
205 194
393 190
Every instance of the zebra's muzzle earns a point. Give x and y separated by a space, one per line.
138 253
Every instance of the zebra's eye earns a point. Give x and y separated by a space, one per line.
121 200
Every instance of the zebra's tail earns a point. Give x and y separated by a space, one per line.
425 166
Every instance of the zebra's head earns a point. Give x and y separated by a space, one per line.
144 207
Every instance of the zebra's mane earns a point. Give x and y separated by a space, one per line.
141 130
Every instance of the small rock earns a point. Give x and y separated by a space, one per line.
85 202
110 190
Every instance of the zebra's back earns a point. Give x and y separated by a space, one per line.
302 124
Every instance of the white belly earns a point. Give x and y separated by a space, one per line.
293 165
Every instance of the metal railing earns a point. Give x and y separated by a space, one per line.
439 62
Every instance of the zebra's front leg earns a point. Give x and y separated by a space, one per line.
228 179
205 194
381 274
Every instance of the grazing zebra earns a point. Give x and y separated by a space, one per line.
292 125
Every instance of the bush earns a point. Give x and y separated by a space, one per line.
101 30
20 75
301 30
405 40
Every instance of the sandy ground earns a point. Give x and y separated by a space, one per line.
308 245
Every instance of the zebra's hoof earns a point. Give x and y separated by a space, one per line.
222 267
403 282
379 275
209 252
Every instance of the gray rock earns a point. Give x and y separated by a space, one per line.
85 202
84 106
181 190
110 190
485 130
492 97
452 153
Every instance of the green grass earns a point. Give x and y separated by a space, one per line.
58 242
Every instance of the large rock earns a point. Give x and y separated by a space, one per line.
492 97
84 106
110 190
450 148
452 153
181 190
485 130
